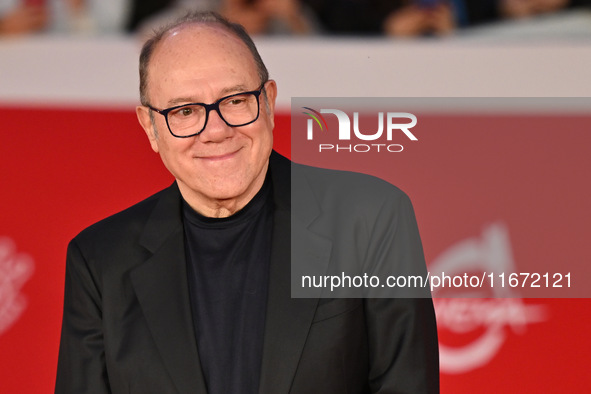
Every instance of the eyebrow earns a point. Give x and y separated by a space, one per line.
224 92
234 89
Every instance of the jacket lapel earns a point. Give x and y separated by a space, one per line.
162 290
288 320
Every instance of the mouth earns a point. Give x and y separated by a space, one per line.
220 157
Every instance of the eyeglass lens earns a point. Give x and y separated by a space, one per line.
236 110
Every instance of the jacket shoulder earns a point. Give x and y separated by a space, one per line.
350 188
127 224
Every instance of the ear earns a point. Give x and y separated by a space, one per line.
143 116
271 90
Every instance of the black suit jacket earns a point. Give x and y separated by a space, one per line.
127 325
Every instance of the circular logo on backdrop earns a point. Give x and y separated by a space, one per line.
15 270
478 326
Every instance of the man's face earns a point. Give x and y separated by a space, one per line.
221 169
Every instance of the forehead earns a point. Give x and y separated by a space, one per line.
204 50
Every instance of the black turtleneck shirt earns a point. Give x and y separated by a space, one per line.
228 266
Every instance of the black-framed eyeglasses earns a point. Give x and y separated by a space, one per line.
188 120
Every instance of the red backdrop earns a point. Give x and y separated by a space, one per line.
62 170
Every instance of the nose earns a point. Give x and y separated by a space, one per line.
216 130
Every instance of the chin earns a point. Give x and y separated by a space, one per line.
227 192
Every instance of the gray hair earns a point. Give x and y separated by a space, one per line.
196 17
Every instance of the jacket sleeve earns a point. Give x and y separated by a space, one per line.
402 330
403 354
81 363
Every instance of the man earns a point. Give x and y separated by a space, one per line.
189 290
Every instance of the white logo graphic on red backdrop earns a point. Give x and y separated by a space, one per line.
479 326
393 127
15 270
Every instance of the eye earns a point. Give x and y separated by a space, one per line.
186 111
237 100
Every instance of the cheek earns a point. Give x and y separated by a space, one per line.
263 143
173 152
266 133
260 135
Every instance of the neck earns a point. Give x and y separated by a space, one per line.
218 208
222 210
221 207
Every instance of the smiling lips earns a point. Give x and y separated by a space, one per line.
224 156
